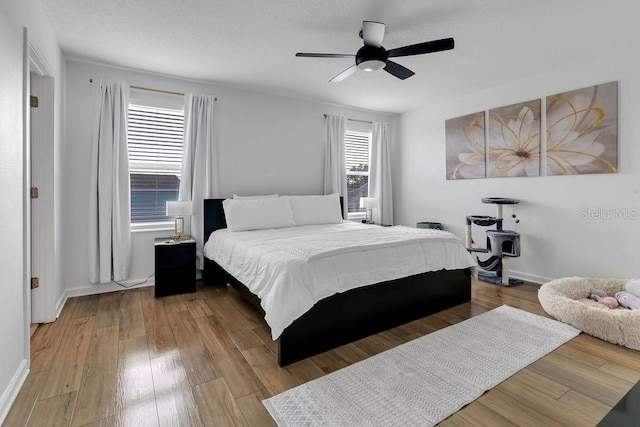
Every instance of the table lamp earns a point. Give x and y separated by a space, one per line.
179 210
369 203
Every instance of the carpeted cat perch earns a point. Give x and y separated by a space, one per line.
567 300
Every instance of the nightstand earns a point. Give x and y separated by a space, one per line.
175 269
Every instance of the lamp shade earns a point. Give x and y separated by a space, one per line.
178 208
368 202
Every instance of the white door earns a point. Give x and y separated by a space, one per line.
42 207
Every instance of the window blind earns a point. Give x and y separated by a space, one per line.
155 138
357 151
357 164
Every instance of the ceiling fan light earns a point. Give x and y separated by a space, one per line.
371 65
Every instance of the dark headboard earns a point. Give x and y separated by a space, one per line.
214 215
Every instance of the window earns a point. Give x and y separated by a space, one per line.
357 146
155 158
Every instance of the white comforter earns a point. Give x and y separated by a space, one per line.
290 269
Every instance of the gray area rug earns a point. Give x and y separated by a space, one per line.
422 382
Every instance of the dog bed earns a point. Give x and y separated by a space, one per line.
567 300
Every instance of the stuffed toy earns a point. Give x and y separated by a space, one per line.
633 286
597 294
601 297
610 302
629 300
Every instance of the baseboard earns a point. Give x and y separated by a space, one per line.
60 304
103 288
534 278
12 390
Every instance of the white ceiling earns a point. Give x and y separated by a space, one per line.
251 43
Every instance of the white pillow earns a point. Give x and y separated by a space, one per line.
310 210
258 214
267 196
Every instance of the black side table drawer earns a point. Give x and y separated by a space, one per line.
175 267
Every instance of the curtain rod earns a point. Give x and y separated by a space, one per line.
354 120
168 92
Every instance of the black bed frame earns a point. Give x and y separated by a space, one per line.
346 317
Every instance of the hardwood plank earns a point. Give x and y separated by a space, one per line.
621 372
389 339
108 309
586 371
594 390
606 350
581 403
105 422
173 303
350 353
581 356
371 345
197 305
264 364
32 329
160 339
235 322
217 405
329 361
87 306
455 420
540 383
264 333
478 414
66 370
196 357
544 405
515 411
228 360
254 411
249 315
45 343
135 395
26 399
55 411
174 396
305 370
96 396
131 320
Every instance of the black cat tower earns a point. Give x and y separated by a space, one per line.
501 244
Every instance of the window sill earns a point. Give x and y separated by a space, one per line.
141 228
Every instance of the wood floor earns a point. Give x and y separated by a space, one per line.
126 358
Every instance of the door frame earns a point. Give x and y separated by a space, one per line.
35 64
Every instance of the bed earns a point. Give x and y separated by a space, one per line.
347 316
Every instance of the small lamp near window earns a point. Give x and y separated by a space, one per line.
179 210
369 203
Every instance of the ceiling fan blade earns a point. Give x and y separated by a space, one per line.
372 33
398 70
343 75
324 55
420 48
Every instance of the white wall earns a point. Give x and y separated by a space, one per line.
266 143
14 319
556 241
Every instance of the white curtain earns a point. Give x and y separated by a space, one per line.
199 177
380 174
109 197
335 172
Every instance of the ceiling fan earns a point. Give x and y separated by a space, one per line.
373 57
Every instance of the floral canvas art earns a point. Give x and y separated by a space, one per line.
465 144
582 131
513 140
